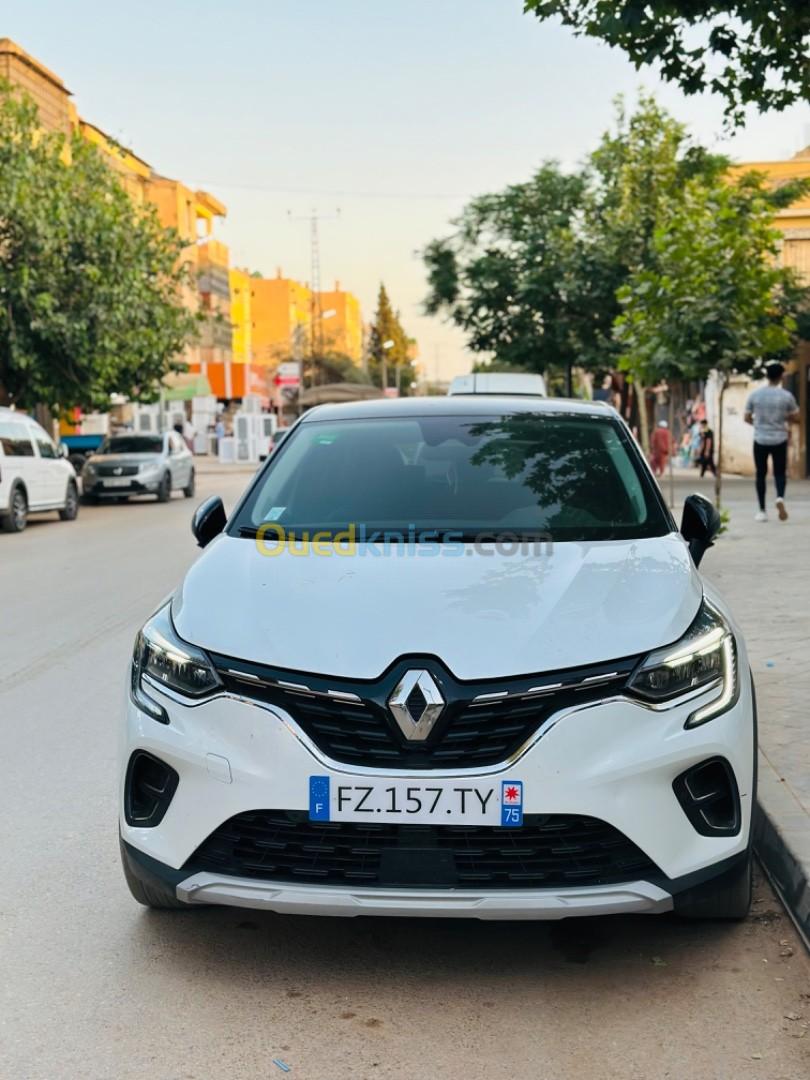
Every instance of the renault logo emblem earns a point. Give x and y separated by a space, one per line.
416 704
117 470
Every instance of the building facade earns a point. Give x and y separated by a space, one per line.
191 213
794 224
281 319
342 323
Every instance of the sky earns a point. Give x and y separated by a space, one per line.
383 116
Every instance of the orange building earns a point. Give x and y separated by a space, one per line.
191 213
342 323
281 318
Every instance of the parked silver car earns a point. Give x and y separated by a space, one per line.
127 465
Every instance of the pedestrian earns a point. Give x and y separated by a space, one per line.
605 391
219 431
189 433
771 409
661 446
706 452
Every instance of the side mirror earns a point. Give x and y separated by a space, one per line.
700 524
63 451
209 520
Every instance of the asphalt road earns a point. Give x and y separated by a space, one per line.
93 986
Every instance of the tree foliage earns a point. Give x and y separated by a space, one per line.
90 284
714 297
531 274
747 51
387 327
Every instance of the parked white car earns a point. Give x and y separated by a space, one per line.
503 690
34 476
499 382
139 464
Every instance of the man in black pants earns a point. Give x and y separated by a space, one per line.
706 453
770 409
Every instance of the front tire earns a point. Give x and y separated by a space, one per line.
727 897
164 492
188 490
70 510
17 517
153 893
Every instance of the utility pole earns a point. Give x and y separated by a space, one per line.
316 339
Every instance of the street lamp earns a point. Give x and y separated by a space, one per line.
386 345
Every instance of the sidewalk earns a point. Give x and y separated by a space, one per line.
206 465
763 570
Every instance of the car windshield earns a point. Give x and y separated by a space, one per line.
132 444
566 476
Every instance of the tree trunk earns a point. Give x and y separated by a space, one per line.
643 422
671 448
718 476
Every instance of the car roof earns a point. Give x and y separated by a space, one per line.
456 405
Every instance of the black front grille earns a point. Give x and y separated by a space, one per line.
117 470
548 851
481 724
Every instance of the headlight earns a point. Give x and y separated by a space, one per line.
704 658
162 658
88 469
149 466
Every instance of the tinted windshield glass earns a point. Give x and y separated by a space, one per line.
132 444
569 477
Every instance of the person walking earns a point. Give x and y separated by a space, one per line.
770 410
706 450
661 447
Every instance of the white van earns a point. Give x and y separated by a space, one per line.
33 474
499 382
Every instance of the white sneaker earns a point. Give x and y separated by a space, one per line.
760 515
781 509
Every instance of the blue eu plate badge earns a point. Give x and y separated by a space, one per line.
511 803
319 798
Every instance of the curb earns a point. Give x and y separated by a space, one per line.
782 844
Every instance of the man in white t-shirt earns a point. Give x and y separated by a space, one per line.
771 409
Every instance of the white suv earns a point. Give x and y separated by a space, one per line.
33 474
503 689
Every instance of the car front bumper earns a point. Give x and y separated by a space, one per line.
613 760
136 486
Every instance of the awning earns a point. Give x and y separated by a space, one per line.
184 385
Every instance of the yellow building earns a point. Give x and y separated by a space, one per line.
281 318
191 213
343 330
794 224
242 336
794 221
47 90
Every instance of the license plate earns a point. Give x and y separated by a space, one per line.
119 481
454 802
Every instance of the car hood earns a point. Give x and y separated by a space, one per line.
485 615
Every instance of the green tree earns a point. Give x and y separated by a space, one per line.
747 51
391 365
514 274
90 284
531 273
714 298
642 167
